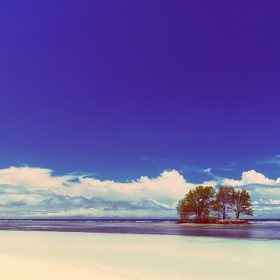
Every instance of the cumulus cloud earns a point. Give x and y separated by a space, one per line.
32 178
167 187
37 189
265 192
251 177
30 191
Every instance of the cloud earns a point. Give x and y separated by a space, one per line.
168 186
251 177
33 178
207 170
265 192
36 192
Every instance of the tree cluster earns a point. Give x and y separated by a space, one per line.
205 202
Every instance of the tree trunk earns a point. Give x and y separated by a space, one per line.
224 213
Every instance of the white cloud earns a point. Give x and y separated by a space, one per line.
164 205
31 177
18 197
251 177
265 192
37 192
207 170
168 187
209 183
273 201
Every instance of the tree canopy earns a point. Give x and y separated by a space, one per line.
197 202
224 201
204 202
241 203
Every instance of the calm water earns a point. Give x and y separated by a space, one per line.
257 229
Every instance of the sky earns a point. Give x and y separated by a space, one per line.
120 107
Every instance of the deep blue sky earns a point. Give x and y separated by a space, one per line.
129 88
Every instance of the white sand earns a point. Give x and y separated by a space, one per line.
82 256
13 268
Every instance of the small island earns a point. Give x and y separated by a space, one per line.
214 222
205 205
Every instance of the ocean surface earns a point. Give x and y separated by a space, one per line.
257 229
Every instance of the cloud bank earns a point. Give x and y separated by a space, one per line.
36 192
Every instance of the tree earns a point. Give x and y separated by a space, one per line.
198 202
241 203
183 209
224 201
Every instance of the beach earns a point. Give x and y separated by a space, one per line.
59 255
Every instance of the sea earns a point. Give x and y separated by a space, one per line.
257 229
